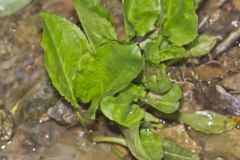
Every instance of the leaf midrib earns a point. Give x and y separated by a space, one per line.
73 100
177 155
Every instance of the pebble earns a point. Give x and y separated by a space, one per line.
5 65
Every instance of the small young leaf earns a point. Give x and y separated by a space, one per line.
134 142
121 110
64 45
207 121
142 14
123 113
181 23
152 143
107 72
152 52
133 93
155 78
170 52
202 45
167 103
96 22
173 151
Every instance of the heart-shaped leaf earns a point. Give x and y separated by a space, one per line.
121 108
168 102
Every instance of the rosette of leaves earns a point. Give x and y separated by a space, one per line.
121 79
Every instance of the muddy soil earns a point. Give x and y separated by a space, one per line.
38 124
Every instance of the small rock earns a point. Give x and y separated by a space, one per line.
226 145
43 134
218 99
232 82
5 65
62 113
37 100
179 135
3 158
71 145
6 126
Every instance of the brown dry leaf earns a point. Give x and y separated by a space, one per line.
232 82
212 69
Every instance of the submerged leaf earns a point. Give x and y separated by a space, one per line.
152 143
96 22
173 151
168 102
134 143
202 45
122 113
207 121
181 23
142 15
107 72
155 78
121 108
64 45
8 7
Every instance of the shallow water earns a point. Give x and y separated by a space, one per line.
33 132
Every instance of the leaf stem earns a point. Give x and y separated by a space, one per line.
79 117
105 139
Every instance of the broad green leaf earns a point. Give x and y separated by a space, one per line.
202 45
121 108
107 72
157 55
207 121
8 7
168 102
152 143
155 78
173 151
96 22
181 23
142 15
64 45
134 143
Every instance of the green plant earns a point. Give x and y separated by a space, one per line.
123 77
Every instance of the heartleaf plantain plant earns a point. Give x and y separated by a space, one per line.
124 78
